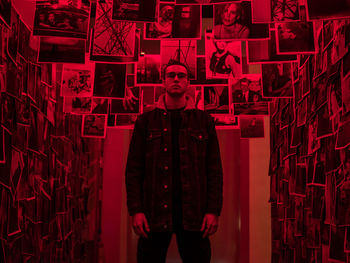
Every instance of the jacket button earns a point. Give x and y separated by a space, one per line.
166 168
165 129
164 113
165 226
165 186
165 149
200 136
165 206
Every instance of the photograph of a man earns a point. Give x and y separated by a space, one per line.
174 178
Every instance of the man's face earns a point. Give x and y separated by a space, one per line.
176 80
220 45
230 14
244 85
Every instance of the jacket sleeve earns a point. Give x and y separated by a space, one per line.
214 171
135 167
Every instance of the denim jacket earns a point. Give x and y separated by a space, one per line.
149 166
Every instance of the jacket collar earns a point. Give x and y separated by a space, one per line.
190 104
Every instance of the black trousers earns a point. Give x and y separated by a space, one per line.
193 248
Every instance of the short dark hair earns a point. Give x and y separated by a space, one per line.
173 62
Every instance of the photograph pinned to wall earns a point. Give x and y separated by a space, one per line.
61 50
295 38
77 105
265 51
148 98
99 106
32 50
347 240
46 73
334 97
109 80
226 121
23 39
223 58
12 40
183 51
328 32
2 145
324 9
261 11
94 126
112 38
31 89
277 80
17 165
13 79
284 10
246 89
324 128
336 244
163 27
62 19
134 10
148 70
234 21
345 87
339 47
252 127
201 78
119 59
129 104
313 143
258 108
346 65
8 113
5 11
77 80
216 99
175 21
343 139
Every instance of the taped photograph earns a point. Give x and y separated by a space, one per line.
134 10
94 126
277 80
252 127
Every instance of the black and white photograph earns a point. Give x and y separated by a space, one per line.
62 19
247 89
183 51
277 80
148 70
2 145
77 105
112 38
284 10
216 99
343 139
61 50
234 21
345 86
223 121
323 9
94 126
179 21
223 58
265 51
109 80
295 38
134 10
336 244
13 33
163 27
77 80
128 105
252 127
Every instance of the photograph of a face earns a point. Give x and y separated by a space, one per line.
234 21
247 89
223 58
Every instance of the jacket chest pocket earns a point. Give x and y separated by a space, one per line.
198 143
154 141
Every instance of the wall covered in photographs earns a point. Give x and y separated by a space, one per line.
82 67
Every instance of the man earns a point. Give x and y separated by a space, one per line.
174 175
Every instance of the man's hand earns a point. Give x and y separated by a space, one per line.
140 224
210 224
129 101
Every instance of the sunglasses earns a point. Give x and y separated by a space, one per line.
172 75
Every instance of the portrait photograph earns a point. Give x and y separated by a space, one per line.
163 26
61 50
180 50
252 127
277 80
94 126
62 20
134 10
109 80
77 80
148 70
247 89
295 38
234 21
187 22
223 58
